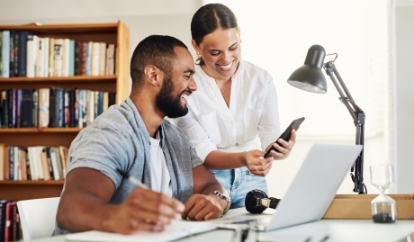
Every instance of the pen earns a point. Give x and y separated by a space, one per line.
132 179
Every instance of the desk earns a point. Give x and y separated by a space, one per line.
337 230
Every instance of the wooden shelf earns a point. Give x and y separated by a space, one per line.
14 80
111 33
32 183
37 130
22 190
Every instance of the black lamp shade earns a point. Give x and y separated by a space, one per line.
309 77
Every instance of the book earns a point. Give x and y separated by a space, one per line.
177 229
26 109
3 204
5 53
44 105
1 162
22 54
5 109
58 57
31 55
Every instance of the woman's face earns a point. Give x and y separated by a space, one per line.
221 53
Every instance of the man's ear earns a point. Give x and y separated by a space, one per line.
153 75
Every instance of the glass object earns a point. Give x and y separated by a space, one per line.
383 207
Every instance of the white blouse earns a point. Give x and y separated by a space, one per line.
250 122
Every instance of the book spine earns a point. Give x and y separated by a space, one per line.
102 58
71 57
95 104
11 98
11 54
83 58
17 174
22 59
44 107
60 101
112 98
110 59
72 108
31 48
39 70
65 57
16 54
100 102
50 161
5 109
45 49
26 114
58 57
88 58
78 58
51 62
3 204
67 108
5 54
18 107
11 163
52 108
35 108
1 56
28 164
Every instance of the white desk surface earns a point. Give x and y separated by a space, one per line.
333 230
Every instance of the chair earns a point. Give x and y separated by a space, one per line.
38 217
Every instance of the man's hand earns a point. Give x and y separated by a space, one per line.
204 207
143 210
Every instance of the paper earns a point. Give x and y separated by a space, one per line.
177 229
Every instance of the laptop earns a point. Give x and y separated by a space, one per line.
310 193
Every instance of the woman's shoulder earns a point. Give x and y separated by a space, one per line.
248 69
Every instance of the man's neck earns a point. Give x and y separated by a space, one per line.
149 114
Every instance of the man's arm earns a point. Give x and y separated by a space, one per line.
203 204
84 205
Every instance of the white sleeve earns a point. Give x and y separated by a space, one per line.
197 135
269 124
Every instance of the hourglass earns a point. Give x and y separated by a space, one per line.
383 207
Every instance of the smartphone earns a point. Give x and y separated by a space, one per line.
286 134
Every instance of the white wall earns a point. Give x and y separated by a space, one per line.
404 95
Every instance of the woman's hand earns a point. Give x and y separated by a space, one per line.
255 162
284 150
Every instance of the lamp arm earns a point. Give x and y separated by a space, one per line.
358 116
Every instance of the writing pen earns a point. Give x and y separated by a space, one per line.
132 179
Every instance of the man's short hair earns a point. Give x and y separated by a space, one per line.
157 50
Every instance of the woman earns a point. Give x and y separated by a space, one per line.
233 115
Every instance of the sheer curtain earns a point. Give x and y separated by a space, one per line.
276 35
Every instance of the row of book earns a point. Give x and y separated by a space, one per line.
32 163
52 107
24 54
10 226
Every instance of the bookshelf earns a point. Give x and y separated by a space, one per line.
111 33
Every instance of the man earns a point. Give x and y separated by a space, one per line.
135 138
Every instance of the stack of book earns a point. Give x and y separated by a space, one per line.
24 54
10 227
52 107
33 163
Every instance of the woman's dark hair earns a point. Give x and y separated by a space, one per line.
210 17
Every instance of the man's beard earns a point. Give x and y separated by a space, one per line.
169 105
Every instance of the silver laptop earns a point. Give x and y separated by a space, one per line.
311 191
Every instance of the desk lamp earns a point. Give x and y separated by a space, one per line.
310 78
